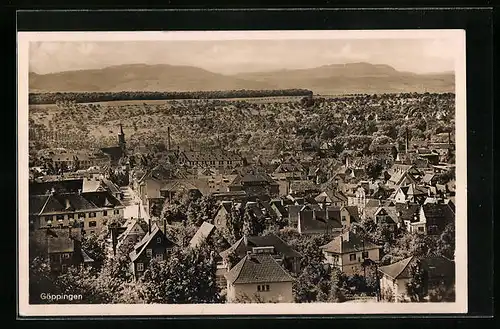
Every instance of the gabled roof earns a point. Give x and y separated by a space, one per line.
353 212
314 220
391 212
407 212
435 266
131 226
395 271
246 243
348 242
143 244
256 269
438 213
111 186
203 232
91 185
178 185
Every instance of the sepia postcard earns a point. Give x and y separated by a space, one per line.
242 173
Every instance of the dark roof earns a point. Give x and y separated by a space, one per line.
246 243
61 186
353 212
407 211
111 186
257 268
115 152
68 202
327 219
253 178
203 232
303 186
395 270
438 213
62 241
142 245
435 266
348 242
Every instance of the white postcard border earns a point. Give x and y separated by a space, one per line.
459 306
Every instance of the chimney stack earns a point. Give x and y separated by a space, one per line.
149 225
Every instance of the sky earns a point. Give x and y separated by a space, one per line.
430 55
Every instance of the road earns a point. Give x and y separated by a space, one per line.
132 202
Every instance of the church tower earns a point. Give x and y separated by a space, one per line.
121 139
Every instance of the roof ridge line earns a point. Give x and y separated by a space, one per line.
404 268
44 205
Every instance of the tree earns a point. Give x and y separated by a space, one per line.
446 242
374 168
417 285
40 280
95 247
188 277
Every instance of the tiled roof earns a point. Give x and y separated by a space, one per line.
353 212
61 186
396 270
438 213
142 245
303 186
348 242
256 269
390 211
313 220
435 266
201 234
63 241
178 185
111 186
246 243
407 211
91 185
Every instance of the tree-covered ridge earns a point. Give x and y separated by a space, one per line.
90 97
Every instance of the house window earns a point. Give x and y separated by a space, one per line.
64 268
116 212
104 213
140 267
60 217
365 254
92 214
159 257
92 223
343 218
352 257
158 240
81 215
420 229
263 287
65 255
149 253
75 216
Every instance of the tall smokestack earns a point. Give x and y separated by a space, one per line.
168 138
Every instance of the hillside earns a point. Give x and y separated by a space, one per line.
355 78
329 79
139 77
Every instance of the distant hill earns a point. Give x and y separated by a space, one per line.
329 79
140 77
355 78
